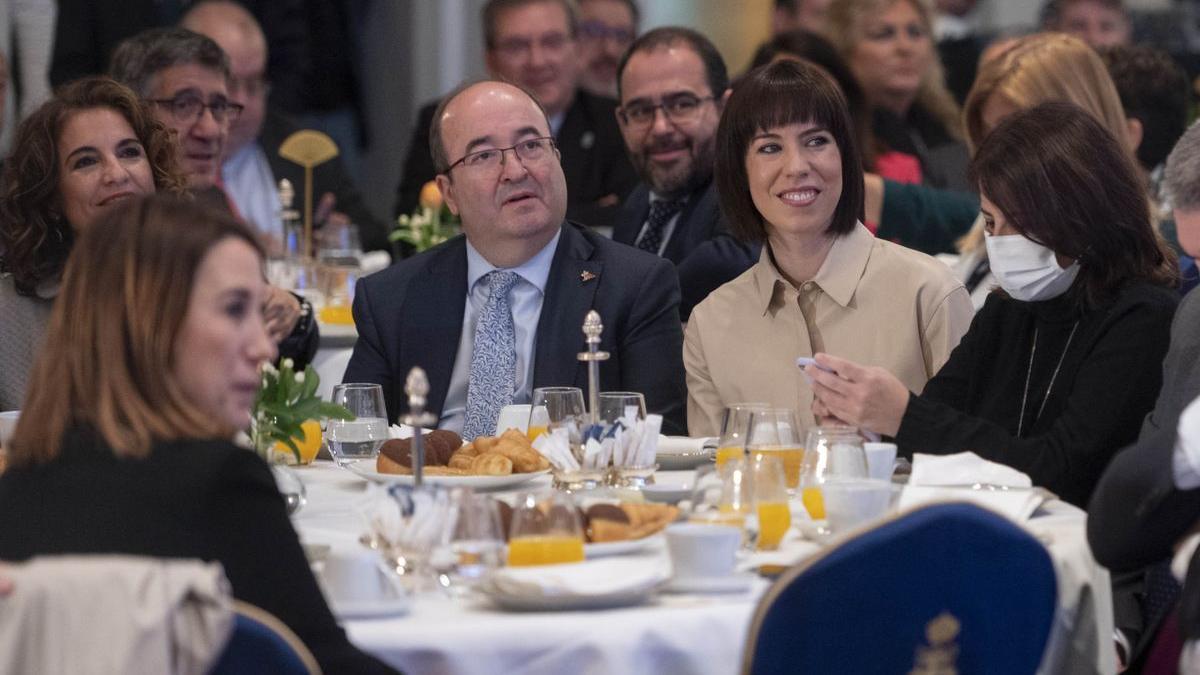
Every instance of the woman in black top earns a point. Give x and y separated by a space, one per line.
1061 365
149 366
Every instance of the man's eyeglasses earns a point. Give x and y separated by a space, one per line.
598 30
679 108
528 151
186 109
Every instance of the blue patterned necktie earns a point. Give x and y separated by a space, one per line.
493 358
661 212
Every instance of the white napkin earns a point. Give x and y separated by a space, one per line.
433 516
682 445
373 261
593 577
964 468
1017 504
555 446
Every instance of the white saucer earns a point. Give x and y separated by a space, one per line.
666 493
394 604
737 582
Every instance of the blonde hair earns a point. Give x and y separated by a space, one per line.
844 29
107 361
1041 68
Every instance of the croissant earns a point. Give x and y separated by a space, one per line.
491 464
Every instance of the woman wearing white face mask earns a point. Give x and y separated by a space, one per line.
1064 360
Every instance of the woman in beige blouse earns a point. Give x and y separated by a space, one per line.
789 175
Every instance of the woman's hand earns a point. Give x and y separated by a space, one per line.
865 396
280 312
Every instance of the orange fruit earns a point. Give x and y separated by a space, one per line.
309 446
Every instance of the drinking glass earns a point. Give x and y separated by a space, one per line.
339 245
724 496
735 425
631 407
774 432
361 437
290 486
615 405
831 452
545 530
770 500
565 415
476 539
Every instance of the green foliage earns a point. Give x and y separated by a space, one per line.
285 401
425 228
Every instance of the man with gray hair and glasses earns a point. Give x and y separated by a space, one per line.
186 77
1148 500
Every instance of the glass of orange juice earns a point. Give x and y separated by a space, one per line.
734 426
830 452
774 432
545 530
724 496
770 500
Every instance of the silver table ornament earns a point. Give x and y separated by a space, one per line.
592 328
416 385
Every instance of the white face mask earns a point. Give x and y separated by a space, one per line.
1027 270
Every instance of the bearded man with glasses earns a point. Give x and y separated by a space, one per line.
497 311
673 86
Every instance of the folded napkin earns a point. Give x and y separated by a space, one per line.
606 576
964 468
682 445
1017 504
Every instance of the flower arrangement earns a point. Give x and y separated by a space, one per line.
431 224
284 403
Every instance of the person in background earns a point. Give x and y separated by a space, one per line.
889 47
1087 299
496 312
673 89
26 41
1100 23
606 29
251 166
792 15
534 44
185 77
77 157
960 43
150 367
789 175
1149 497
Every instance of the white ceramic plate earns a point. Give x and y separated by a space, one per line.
607 548
559 603
738 582
666 492
393 605
366 469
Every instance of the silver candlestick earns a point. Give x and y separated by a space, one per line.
592 328
416 385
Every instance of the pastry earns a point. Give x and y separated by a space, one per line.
440 445
491 464
621 522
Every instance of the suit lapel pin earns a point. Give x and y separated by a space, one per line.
586 276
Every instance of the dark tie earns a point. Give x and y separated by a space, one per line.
493 358
661 212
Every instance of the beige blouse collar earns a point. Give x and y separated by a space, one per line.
838 277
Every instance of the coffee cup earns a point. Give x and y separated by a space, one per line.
853 503
8 424
881 459
352 576
701 550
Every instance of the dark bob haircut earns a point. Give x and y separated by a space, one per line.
1062 180
779 94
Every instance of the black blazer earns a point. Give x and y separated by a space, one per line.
593 160
411 314
328 177
705 253
188 499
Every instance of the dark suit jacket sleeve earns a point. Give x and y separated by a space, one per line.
709 266
266 566
418 163
369 361
1136 514
652 348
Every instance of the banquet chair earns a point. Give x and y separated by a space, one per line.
261 643
944 588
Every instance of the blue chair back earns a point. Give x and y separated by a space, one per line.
944 586
261 643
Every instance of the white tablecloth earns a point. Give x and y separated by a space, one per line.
672 633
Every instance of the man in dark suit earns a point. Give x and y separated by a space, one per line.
251 167
532 43
673 86
494 313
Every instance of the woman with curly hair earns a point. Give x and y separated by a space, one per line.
85 150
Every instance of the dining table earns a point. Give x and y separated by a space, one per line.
687 632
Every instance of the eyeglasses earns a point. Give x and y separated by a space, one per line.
598 30
188 108
528 151
517 47
679 108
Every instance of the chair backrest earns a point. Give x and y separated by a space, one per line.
261 643
944 588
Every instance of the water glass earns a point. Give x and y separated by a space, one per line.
545 530
615 405
360 438
831 452
774 432
735 426
563 409
724 496
476 539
